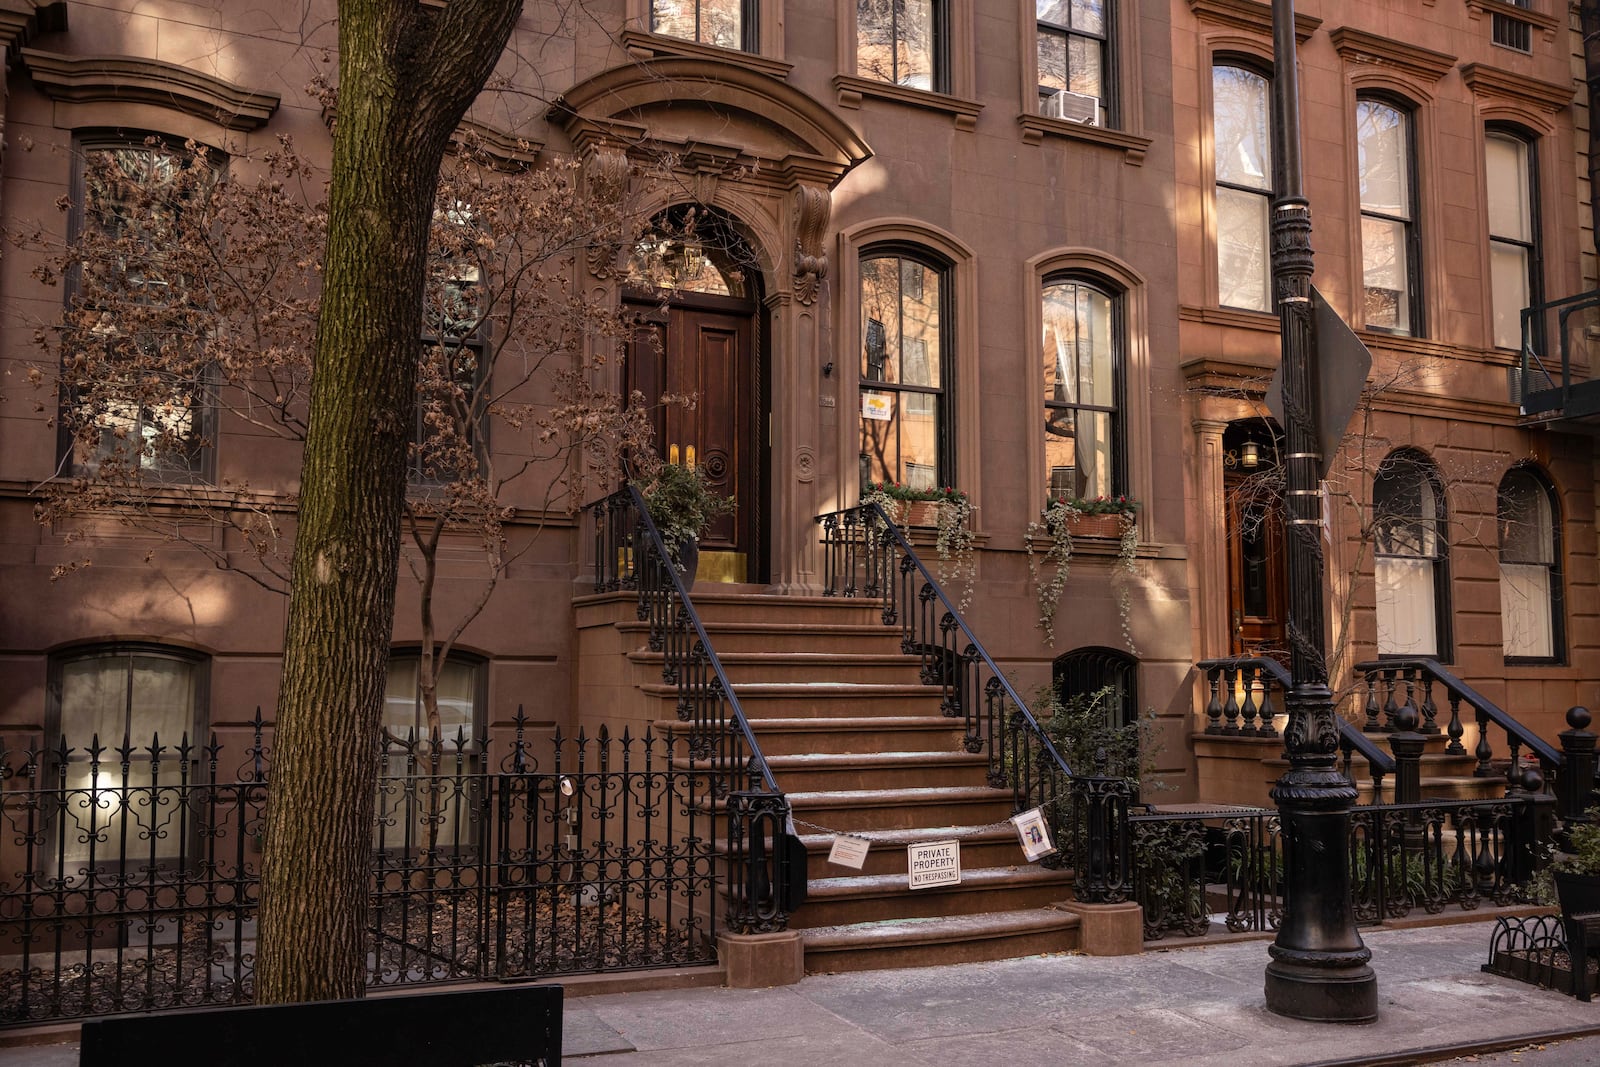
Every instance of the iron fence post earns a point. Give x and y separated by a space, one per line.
1102 847
1575 780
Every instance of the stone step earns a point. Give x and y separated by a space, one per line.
804 668
714 606
816 638
981 846
875 897
938 941
835 699
818 772
1454 787
902 809
927 733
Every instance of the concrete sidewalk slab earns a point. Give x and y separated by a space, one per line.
1198 1006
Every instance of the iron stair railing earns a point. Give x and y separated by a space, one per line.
766 860
865 554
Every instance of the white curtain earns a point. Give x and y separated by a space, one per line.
1406 606
1525 610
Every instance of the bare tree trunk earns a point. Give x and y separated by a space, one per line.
407 73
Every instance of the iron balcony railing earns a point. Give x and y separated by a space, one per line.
1562 383
865 554
766 859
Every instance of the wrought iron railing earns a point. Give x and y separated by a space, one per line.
1245 693
1200 872
767 871
1395 683
130 877
865 554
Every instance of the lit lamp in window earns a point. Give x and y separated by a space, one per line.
1250 457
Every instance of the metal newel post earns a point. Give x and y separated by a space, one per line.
1319 969
1575 780
1407 745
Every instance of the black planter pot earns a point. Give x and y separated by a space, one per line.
1579 894
688 561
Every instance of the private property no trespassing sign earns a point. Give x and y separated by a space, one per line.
934 863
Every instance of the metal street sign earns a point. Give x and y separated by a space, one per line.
1341 363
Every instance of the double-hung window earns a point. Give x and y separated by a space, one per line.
1074 59
428 784
1390 247
906 364
1082 352
1530 567
1242 138
1409 559
1514 275
723 23
450 435
903 42
136 403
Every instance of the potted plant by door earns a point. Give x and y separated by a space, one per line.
683 506
1577 871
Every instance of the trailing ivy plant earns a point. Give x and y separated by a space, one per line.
1048 542
958 563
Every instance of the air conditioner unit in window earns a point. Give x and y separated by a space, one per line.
1074 107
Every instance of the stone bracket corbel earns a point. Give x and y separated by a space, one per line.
812 206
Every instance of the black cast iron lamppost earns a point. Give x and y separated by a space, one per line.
1319 969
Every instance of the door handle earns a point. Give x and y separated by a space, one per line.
1238 623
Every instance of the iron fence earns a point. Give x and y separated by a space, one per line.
129 878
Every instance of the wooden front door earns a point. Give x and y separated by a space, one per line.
702 349
1257 596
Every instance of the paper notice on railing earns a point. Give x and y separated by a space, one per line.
849 851
1034 834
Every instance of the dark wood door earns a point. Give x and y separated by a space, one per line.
1257 597
703 353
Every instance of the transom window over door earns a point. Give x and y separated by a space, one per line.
1513 234
902 42
1072 59
905 403
1082 367
1409 555
723 23
1390 251
1530 567
1242 133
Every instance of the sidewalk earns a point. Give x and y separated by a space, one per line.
1197 1006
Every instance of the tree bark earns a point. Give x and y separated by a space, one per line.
407 73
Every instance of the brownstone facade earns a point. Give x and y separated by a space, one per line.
1018 186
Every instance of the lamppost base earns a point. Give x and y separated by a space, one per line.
1343 993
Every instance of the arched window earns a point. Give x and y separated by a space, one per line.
1530 567
427 792
1082 351
1086 671
138 703
1390 246
1242 136
1411 554
906 369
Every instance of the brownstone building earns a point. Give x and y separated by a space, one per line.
1017 249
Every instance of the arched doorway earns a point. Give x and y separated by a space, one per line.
694 285
1257 579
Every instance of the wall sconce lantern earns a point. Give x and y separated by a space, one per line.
1251 456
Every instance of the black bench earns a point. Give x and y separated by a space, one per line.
464 1028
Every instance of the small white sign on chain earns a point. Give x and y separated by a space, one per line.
933 863
1034 834
848 851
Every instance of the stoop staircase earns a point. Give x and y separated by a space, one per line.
857 743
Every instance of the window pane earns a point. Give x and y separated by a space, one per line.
1508 285
1525 610
1526 529
1506 167
1089 16
880 320
673 17
1095 348
1093 453
1406 607
1381 156
1055 12
402 710
919 354
915 47
875 43
1061 343
94 700
1383 259
1244 269
720 23
1240 128
919 439
1052 61
163 700
880 446
1084 61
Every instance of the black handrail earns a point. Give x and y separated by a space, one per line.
767 871
1221 717
867 555
1413 671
